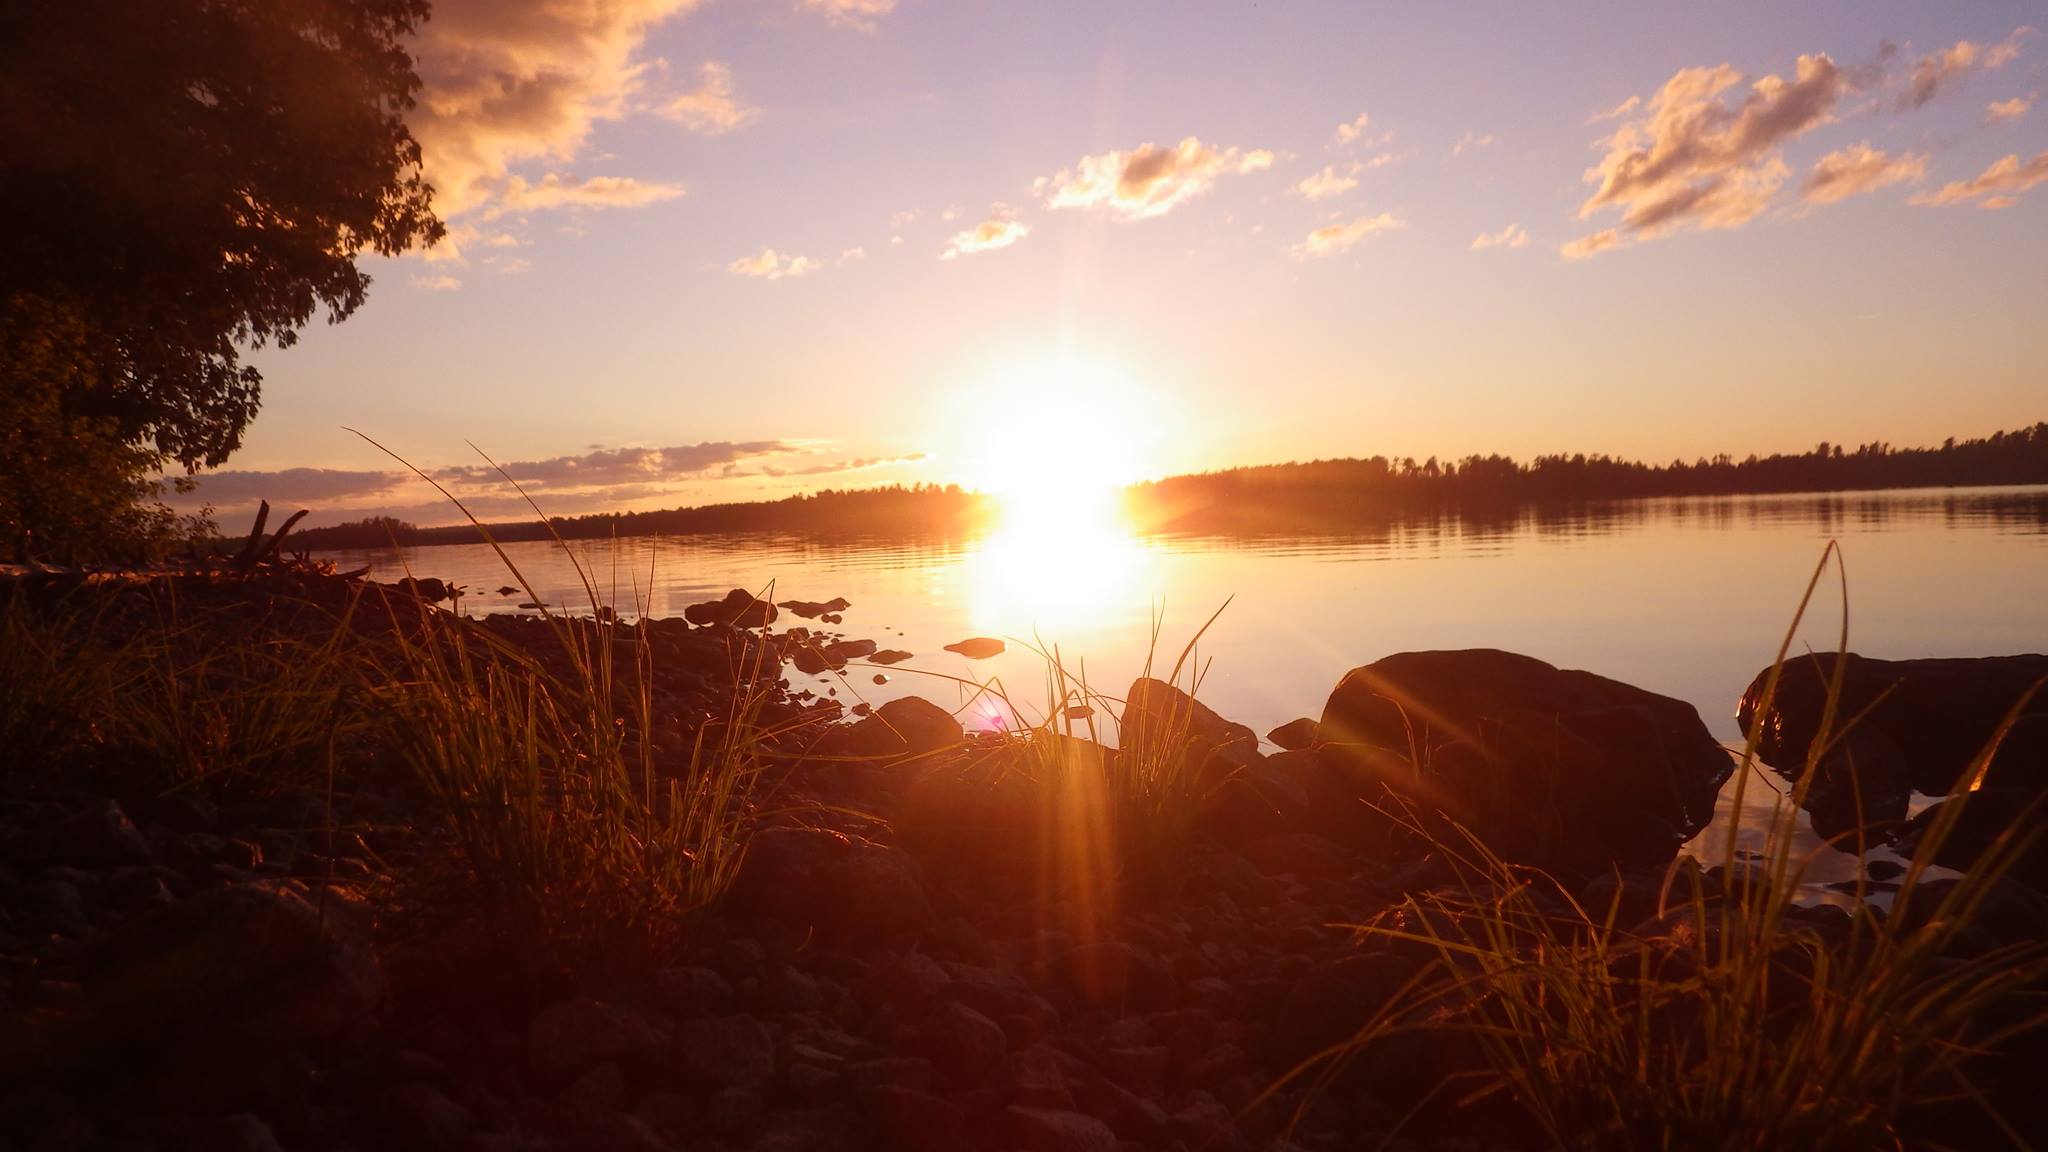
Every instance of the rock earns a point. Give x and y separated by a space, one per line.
879 679
812 609
101 836
1050 1130
1300 853
911 983
739 609
840 651
905 727
844 886
1160 719
977 648
890 656
964 1042
1266 798
914 1120
239 973
1983 817
416 1115
244 1132
1922 723
1563 770
576 1035
687 993
1297 734
729 1051
432 589
507 590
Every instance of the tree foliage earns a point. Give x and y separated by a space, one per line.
189 178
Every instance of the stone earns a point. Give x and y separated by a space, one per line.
1299 853
1921 724
101 836
890 656
907 727
1052 1130
812 609
739 609
977 648
1558 769
687 993
915 1120
575 1035
242 972
1297 734
845 886
728 1051
1160 719
967 1044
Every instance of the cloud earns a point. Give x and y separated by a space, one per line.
506 81
609 467
847 256
1936 70
1617 112
1587 246
773 265
291 486
1996 187
1693 160
709 108
1000 230
2007 111
1147 181
1512 236
2008 50
1338 237
436 283
863 464
514 267
1350 132
1856 170
1471 142
860 14
1327 183
555 191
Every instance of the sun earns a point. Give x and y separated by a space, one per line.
1055 440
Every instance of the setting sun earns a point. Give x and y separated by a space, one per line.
1055 439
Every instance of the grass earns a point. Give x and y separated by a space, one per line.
547 774
1726 1022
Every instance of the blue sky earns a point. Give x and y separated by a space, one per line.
700 250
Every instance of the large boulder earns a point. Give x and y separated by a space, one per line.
1160 719
739 609
1557 768
1918 726
909 726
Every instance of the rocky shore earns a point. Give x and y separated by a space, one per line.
923 948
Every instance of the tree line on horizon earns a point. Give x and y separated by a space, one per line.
1299 495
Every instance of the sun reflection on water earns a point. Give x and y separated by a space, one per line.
1070 571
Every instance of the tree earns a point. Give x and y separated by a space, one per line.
72 487
188 178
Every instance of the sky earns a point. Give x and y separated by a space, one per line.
739 249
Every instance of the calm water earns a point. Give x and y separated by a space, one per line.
1688 597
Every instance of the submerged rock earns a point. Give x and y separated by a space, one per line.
977 648
739 609
889 656
1565 770
812 609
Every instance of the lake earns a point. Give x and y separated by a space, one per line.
1689 597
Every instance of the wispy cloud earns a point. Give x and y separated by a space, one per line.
608 467
1149 180
773 265
1694 160
1998 186
1000 230
440 283
1585 247
1856 170
709 108
1354 129
292 486
1339 237
1617 112
554 190
1471 142
861 464
1938 70
1512 236
862 14
1327 183
2008 111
